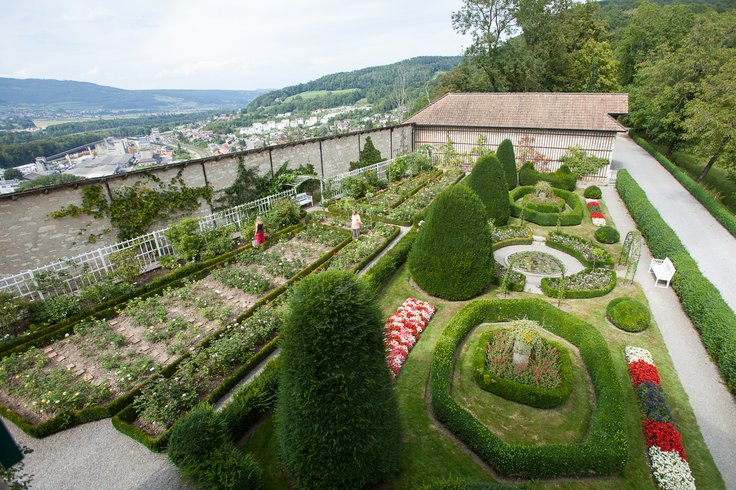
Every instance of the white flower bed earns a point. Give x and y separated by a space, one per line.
670 471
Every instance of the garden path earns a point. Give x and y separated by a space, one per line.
714 406
533 283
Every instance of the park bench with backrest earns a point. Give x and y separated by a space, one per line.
663 271
303 198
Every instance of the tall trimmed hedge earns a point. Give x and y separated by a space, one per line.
505 154
603 452
452 256
338 421
562 178
488 181
700 299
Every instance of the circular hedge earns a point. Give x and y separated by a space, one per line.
533 396
452 256
628 314
607 234
569 217
592 192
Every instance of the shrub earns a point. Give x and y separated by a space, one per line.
593 192
53 309
603 452
409 164
562 178
190 244
505 154
702 301
570 217
357 186
451 257
607 234
580 163
628 314
338 422
488 181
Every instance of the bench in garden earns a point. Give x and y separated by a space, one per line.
663 271
303 198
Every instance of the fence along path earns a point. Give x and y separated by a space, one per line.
85 269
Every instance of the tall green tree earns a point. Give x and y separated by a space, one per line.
505 154
711 120
488 181
338 421
13 173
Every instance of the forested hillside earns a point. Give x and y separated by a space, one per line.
384 87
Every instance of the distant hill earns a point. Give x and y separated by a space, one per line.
83 96
374 85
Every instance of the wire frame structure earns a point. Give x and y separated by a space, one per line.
630 253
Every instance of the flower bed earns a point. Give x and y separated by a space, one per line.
594 208
667 457
380 203
403 329
584 250
533 262
588 283
405 212
503 236
358 252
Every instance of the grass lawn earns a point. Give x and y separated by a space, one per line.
431 453
313 94
717 180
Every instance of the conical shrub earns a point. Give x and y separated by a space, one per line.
452 256
338 421
488 181
505 154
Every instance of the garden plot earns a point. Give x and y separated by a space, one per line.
409 208
383 200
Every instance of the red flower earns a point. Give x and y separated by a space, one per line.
596 214
664 436
643 371
593 203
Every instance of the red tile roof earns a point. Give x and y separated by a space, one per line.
548 110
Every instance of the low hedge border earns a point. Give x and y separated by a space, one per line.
155 285
407 195
384 269
605 450
567 218
124 420
533 396
512 286
700 299
606 261
715 208
65 420
553 292
513 241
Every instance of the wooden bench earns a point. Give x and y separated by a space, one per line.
663 271
303 198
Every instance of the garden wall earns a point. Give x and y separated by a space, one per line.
31 238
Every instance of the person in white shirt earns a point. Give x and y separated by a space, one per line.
356 224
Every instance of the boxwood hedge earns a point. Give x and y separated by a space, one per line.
700 299
533 396
628 314
562 178
603 452
573 216
550 286
576 246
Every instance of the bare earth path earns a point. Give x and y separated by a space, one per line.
714 249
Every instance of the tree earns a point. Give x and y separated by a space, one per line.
596 68
488 181
452 257
505 154
711 119
367 156
47 180
338 421
13 173
581 163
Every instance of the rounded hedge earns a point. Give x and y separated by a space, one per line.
562 178
452 256
593 192
488 181
338 422
607 234
533 396
628 314
570 217
505 154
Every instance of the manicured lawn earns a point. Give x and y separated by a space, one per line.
313 94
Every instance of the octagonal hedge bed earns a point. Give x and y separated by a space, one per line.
603 452
569 217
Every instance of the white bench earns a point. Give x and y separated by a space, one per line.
663 271
303 198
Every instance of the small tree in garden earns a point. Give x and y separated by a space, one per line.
452 257
488 181
338 421
367 156
580 163
505 154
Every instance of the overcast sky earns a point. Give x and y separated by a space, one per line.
217 44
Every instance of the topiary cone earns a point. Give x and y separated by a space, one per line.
488 181
452 257
505 154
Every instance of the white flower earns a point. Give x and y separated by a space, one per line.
670 471
599 221
634 354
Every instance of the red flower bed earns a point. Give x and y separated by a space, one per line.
402 331
664 436
642 371
593 203
596 214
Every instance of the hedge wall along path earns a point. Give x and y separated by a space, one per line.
605 450
700 299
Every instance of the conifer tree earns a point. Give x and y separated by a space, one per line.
505 154
488 181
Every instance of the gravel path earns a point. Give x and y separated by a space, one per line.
712 403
